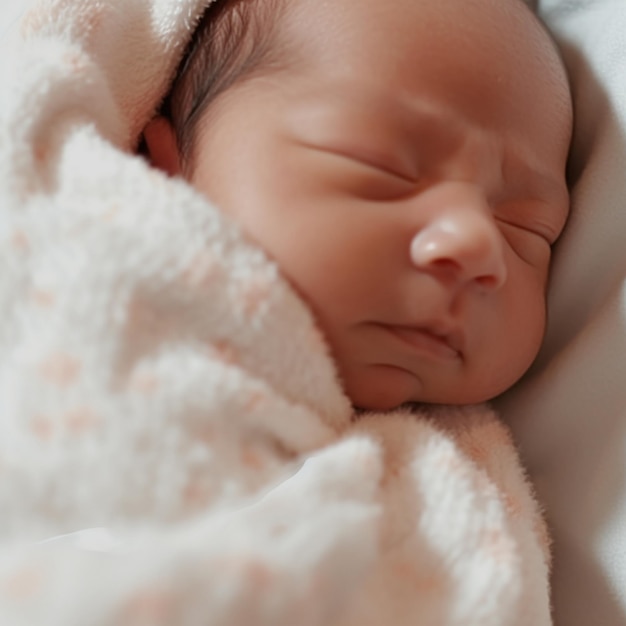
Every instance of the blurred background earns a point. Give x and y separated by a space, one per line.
10 12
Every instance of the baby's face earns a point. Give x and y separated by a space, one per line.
407 174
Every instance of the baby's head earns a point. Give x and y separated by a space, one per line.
404 164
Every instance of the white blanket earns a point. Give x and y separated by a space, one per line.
175 447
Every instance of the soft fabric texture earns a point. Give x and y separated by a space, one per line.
570 413
175 447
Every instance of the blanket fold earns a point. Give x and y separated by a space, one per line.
161 382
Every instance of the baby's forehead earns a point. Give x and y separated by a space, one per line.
369 68
309 40
353 37
311 29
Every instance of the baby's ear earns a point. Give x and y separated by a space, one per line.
161 146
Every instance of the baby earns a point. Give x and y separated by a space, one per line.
403 163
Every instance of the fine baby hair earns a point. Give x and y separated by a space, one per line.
235 39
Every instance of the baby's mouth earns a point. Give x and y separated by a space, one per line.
426 340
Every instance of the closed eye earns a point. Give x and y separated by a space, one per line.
355 176
369 161
533 247
537 231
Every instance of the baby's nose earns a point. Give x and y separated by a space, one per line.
461 240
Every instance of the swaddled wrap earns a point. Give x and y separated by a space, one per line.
175 446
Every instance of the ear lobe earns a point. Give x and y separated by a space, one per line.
161 146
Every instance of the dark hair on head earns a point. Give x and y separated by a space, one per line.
234 40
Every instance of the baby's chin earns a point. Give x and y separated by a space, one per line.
385 388
381 387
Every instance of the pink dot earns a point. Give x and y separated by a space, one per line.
60 369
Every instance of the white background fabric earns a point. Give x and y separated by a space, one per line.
10 10
570 412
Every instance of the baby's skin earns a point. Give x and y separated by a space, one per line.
406 170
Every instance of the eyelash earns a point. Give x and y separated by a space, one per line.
528 244
379 168
526 229
375 165
376 183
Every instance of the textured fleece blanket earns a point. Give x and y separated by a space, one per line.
175 447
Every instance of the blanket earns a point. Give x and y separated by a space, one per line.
175 445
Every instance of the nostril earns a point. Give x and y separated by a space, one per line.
445 265
453 270
487 282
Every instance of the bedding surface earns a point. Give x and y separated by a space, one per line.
570 412
10 11
174 440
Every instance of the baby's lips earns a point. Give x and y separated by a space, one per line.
444 343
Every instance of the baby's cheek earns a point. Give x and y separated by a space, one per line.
520 341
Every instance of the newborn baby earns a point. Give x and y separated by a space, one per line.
386 182
403 163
